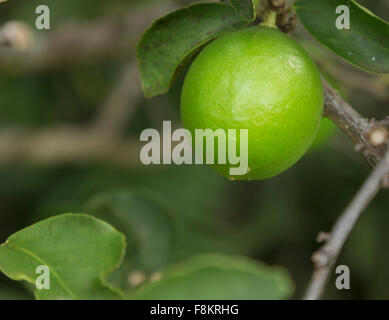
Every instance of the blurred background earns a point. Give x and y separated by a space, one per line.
71 112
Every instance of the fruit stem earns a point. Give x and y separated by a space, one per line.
269 20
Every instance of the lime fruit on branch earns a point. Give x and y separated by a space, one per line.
261 80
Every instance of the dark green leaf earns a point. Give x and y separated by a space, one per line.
79 250
219 277
245 8
365 45
168 44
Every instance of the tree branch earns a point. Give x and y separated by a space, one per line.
360 130
325 258
370 138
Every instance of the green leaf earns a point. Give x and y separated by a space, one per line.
79 250
215 276
149 228
365 45
245 8
173 39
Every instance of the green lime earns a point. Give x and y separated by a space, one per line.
261 80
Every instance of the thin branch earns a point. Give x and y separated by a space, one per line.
370 138
325 258
347 118
358 128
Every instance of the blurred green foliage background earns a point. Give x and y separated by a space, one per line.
170 213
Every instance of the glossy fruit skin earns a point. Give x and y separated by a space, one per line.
261 80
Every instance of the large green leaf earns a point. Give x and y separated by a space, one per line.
365 45
150 230
168 44
79 250
245 8
217 276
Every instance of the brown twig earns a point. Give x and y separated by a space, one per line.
358 128
370 138
325 258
